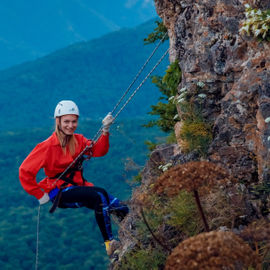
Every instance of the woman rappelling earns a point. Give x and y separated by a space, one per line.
70 189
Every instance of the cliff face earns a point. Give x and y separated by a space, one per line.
235 70
204 37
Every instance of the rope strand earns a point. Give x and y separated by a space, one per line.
138 74
37 240
141 84
135 91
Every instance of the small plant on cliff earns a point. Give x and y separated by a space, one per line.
257 234
193 177
158 33
195 132
166 220
166 111
257 23
212 250
178 212
165 167
184 214
139 259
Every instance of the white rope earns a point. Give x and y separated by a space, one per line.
138 74
134 92
141 84
37 240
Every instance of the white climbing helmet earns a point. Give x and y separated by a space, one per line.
65 107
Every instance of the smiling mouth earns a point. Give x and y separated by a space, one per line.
70 130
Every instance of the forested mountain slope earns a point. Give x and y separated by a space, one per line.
94 74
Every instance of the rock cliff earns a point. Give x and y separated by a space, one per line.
204 37
235 69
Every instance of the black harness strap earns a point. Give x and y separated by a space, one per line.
67 177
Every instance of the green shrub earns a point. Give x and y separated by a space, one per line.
195 131
197 135
150 259
158 33
165 109
184 214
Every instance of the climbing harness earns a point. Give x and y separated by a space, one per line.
80 157
67 177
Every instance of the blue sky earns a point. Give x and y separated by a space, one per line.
33 28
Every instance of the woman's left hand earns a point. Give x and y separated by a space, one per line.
107 121
44 199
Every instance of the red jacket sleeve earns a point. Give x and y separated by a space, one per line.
101 146
29 169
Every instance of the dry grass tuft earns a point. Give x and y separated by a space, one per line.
212 250
257 231
190 177
257 234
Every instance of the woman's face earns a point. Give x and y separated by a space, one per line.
68 123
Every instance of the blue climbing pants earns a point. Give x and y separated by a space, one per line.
94 198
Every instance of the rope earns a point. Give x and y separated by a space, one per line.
141 84
138 74
37 241
135 91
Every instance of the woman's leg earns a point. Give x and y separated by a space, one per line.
118 208
115 206
92 198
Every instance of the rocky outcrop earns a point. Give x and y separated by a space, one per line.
235 69
204 37
162 155
128 235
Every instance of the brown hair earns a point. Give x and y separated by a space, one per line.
66 140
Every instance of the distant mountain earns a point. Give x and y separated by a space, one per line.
31 29
94 74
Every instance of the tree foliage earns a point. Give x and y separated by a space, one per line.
165 109
157 34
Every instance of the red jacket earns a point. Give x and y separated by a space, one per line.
50 156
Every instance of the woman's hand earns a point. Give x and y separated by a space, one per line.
107 121
44 199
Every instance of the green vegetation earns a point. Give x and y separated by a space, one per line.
166 111
151 259
179 212
157 34
179 215
195 132
184 214
257 23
